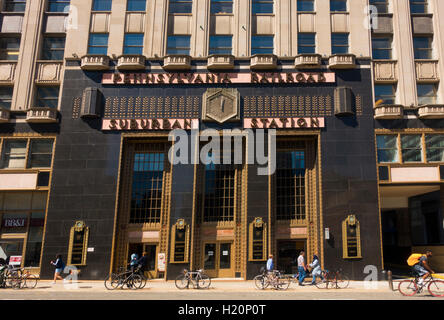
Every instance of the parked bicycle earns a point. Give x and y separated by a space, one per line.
17 278
333 280
198 279
129 278
411 287
273 279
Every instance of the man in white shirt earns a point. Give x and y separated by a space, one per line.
270 264
301 268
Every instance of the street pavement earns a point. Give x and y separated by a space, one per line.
219 290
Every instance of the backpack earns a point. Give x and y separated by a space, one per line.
414 259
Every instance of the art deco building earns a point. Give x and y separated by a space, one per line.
91 89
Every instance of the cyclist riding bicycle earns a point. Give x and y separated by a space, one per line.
420 266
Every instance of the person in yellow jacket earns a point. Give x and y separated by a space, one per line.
422 267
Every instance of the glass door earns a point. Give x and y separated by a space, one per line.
218 259
151 267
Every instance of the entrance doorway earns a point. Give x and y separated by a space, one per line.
218 259
288 253
151 250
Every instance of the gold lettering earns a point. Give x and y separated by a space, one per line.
145 124
187 124
133 124
113 124
302 123
170 77
155 124
264 79
166 124
264 123
321 77
273 124
284 122
176 125
138 78
314 122
254 123
123 124
189 77
179 78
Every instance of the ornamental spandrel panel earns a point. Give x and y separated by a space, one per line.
220 105
385 71
49 72
12 24
135 22
427 70
7 72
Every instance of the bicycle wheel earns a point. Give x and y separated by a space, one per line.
181 282
436 288
342 281
112 281
261 282
407 287
203 281
321 283
13 279
30 281
135 281
282 283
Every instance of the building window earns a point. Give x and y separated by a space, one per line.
102 5
133 43
290 185
34 240
178 45
382 48
47 97
221 44
78 243
381 5
136 5
40 153
426 94
262 6
15 5
180 239
14 154
435 147
306 43
338 5
387 148
180 6
386 93
58 5
262 45
423 47
257 240
98 43
351 238
53 48
411 147
306 5
147 186
221 6
9 48
6 97
418 6
339 42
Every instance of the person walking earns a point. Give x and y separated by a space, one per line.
270 263
142 263
316 269
59 266
133 262
301 267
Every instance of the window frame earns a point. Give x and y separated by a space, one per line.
29 141
402 148
127 46
58 2
335 45
94 3
92 35
8 3
256 37
338 1
178 48
394 90
8 100
212 2
50 50
180 2
434 97
211 49
397 159
305 45
418 51
128 10
417 3
299 5
389 49
5 51
256 4
380 3
39 98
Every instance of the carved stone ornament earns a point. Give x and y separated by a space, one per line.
79 226
258 222
180 224
220 105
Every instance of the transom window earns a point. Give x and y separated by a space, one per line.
180 6
381 5
339 42
418 6
221 6
262 6
178 45
136 5
262 45
338 5
58 5
382 47
306 43
102 5
221 44
423 47
306 5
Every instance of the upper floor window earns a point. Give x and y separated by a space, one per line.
180 6
27 153
262 6
58 5
14 153
411 148
306 43
221 6
382 48
306 5
418 6
262 44
9 48
178 45
133 43
41 153
386 93
102 5
387 148
221 44
338 5
339 43
435 147
423 47
381 5
47 97
136 5
53 48
426 94
98 43
6 97
15 5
